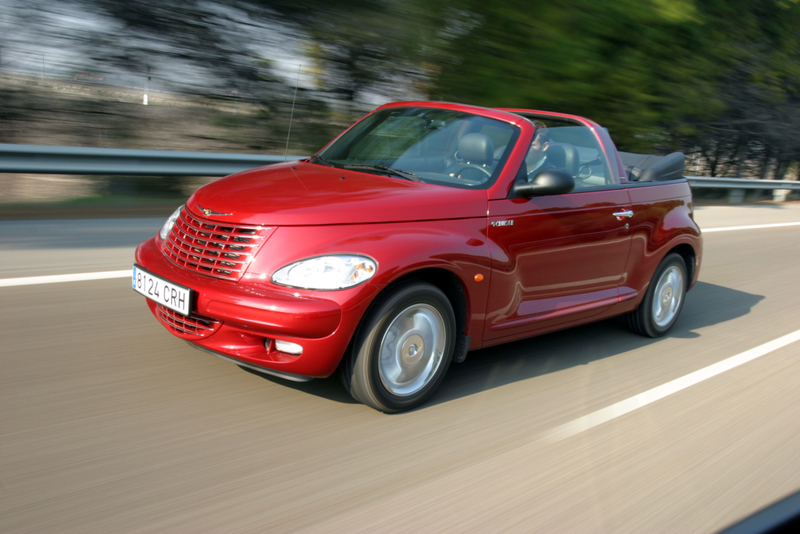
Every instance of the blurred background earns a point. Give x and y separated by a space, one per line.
717 79
110 424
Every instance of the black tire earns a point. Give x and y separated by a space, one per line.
663 301
414 328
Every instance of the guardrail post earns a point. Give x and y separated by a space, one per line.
779 195
735 196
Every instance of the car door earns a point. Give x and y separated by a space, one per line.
558 259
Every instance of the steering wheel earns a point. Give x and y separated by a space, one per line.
584 172
463 167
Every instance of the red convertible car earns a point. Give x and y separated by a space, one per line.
422 232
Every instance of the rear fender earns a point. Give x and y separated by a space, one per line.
663 220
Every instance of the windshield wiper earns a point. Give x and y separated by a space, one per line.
384 169
320 159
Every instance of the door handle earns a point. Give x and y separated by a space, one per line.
623 214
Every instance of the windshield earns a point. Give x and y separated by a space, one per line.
425 144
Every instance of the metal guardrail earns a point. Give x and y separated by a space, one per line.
737 186
741 183
41 159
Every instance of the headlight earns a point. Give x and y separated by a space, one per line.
326 272
169 224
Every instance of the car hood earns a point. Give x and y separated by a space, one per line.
299 193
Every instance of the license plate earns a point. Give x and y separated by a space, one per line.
166 293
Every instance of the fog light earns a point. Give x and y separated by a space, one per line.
288 347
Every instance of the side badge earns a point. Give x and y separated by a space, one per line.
509 222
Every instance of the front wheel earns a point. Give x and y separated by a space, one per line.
663 301
402 349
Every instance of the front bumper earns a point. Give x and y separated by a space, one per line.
241 320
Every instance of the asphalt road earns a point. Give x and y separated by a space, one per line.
109 424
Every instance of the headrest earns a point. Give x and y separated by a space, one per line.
563 156
476 148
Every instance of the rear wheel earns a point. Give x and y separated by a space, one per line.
663 301
402 349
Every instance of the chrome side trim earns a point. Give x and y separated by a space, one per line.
279 374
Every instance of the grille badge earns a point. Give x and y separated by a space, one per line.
208 211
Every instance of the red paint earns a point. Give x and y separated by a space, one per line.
564 256
565 260
302 194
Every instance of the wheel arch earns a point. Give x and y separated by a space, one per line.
352 368
454 289
689 255
449 283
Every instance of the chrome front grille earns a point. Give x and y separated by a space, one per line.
191 326
220 250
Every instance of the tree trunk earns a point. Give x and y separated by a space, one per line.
780 169
714 162
765 162
741 153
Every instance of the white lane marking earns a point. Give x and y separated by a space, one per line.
56 278
751 227
32 280
643 399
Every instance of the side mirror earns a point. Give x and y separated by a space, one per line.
546 182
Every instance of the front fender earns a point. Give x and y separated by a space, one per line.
400 249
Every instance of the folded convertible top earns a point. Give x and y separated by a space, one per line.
649 168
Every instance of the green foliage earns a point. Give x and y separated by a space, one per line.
758 128
630 65
719 78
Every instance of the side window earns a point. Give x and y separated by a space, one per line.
574 149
